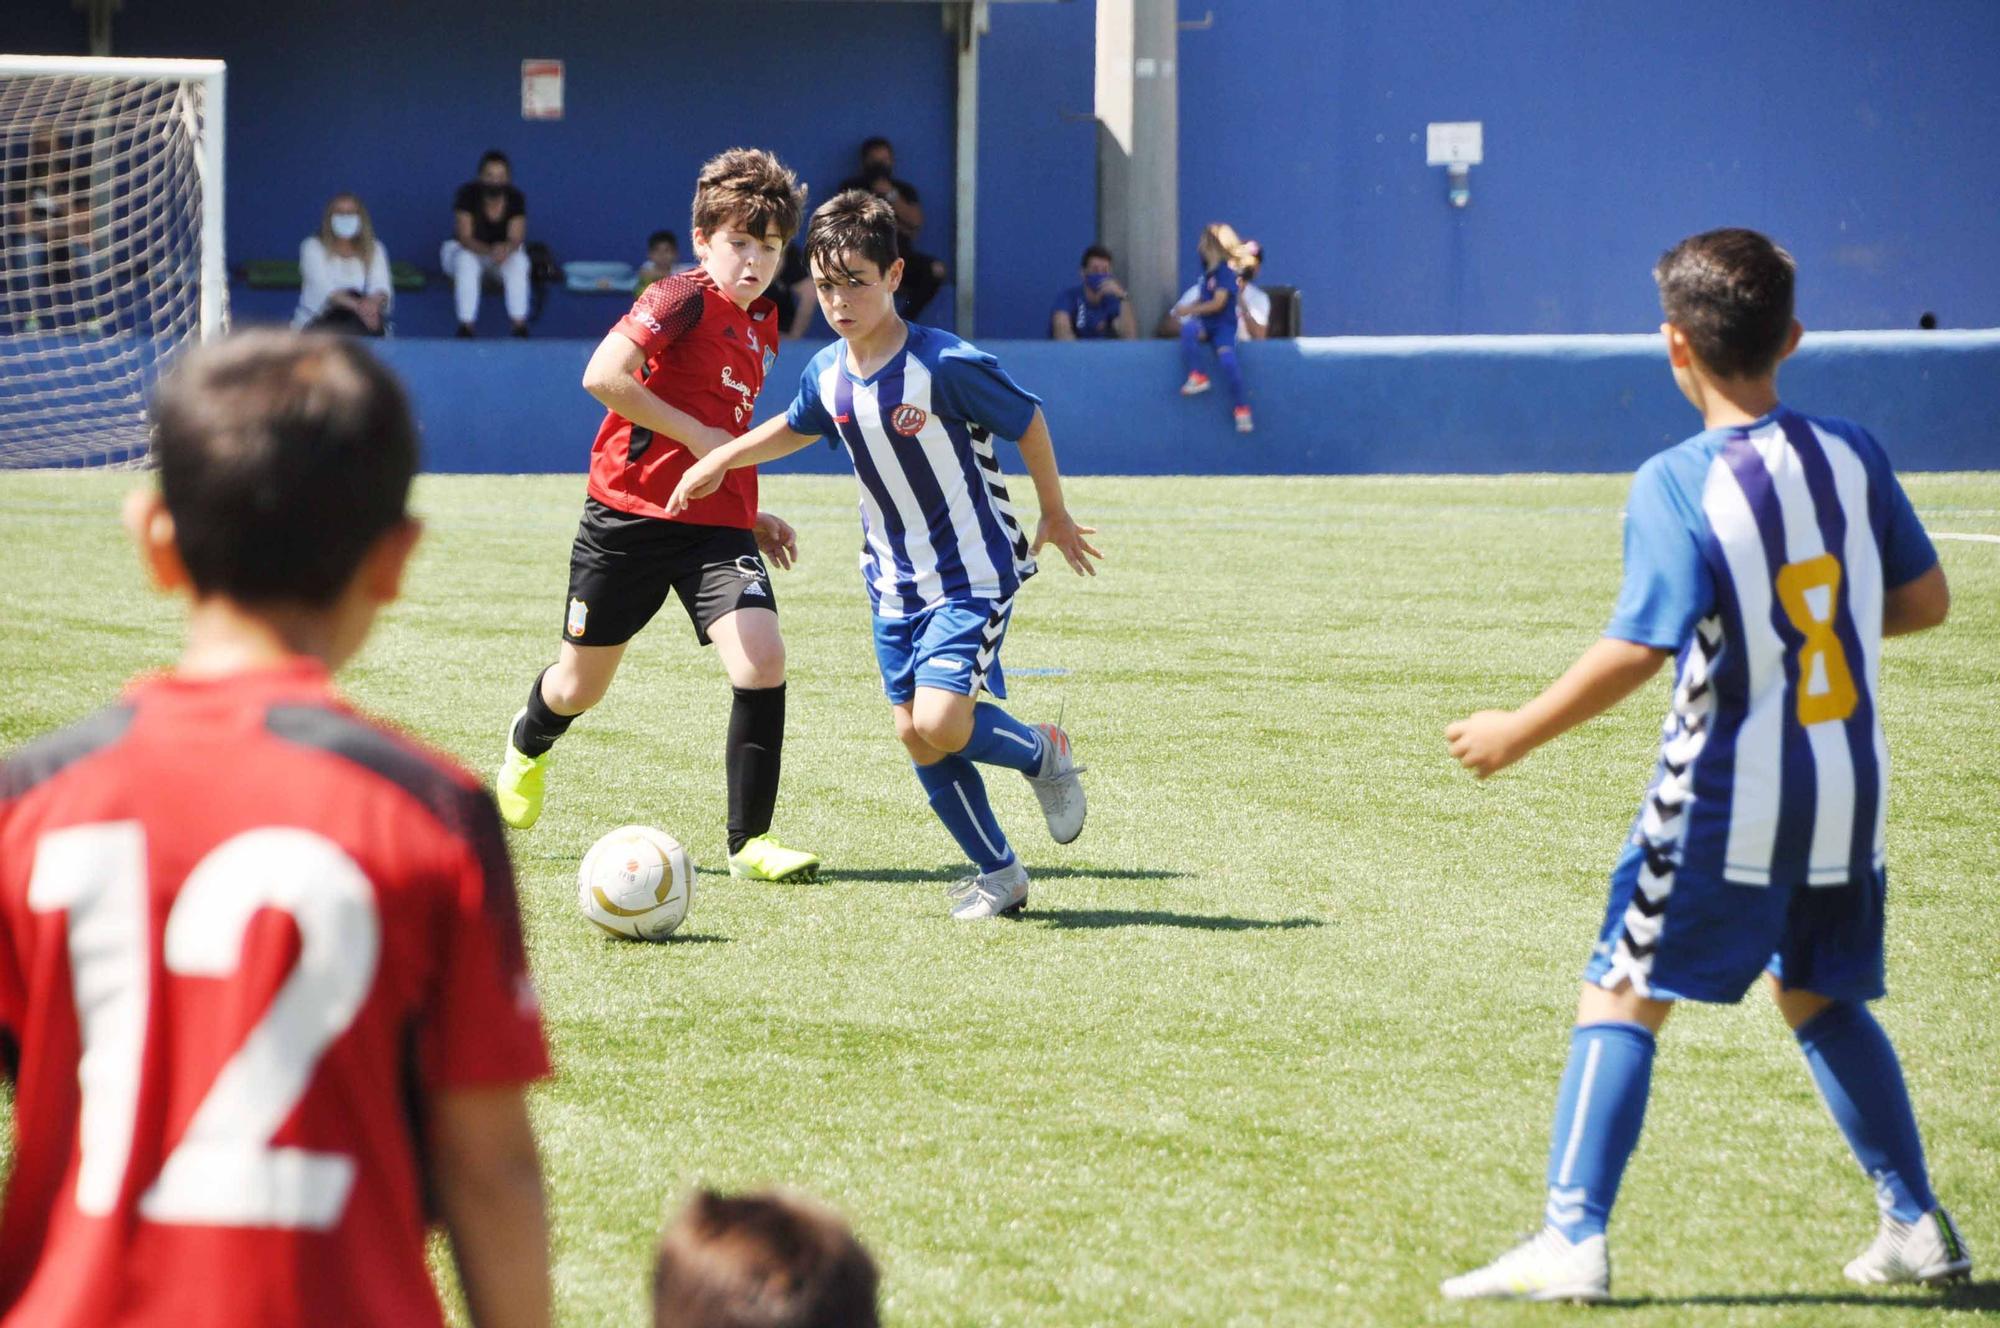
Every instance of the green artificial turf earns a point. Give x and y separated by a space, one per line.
1278 1038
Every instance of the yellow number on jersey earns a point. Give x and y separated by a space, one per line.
1810 592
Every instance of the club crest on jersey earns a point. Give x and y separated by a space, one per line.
770 358
909 421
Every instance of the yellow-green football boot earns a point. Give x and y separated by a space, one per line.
517 789
765 859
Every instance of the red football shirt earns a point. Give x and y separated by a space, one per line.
244 934
706 357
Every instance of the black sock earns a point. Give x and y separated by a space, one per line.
754 754
539 726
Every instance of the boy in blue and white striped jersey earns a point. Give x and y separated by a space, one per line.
942 555
1770 554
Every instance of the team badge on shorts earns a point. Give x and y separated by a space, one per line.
909 421
578 612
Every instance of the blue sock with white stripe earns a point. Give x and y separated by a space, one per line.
1000 739
1599 1110
958 796
1862 1082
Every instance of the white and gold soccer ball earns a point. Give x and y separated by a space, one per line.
636 882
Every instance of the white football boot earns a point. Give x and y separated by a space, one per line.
1926 1250
990 894
1057 787
1546 1266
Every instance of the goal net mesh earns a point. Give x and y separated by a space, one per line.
101 265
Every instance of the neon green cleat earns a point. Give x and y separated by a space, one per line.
517 790
765 859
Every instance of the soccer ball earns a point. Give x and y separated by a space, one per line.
636 882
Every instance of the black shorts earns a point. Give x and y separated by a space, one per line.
622 566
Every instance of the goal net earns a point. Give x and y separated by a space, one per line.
110 246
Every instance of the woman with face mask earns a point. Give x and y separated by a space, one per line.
344 273
489 237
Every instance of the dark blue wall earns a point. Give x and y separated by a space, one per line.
396 101
1857 132
1476 405
1854 131
1037 161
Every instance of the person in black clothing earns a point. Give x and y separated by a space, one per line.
489 235
922 274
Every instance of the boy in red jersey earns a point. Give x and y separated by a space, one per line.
263 997
679 376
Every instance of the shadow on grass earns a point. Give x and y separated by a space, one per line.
1076 919
678 938
1983 1296
946 874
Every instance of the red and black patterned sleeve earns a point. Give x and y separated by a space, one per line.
665 312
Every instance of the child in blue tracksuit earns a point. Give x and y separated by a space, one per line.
1212 318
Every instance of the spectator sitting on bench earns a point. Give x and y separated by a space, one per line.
663 259
1253 303
344 273
490 236
1095 309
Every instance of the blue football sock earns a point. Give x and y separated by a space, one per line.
958 796
1859 1077
1599 1110
1000 739
1232 372
1191 344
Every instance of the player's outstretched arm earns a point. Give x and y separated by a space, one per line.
1918 605
612 377
1057 526
1602 676
489 1192
767 442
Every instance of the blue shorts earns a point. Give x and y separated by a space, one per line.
953 646
1715 938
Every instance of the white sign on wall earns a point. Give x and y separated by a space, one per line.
1454 143
541 89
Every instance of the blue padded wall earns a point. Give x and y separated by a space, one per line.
1478 405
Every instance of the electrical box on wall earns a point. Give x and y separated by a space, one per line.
1458 146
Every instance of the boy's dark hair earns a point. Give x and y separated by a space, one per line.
868 145
1097 251
492 155
751 190
1730 291
852 223
761 1261
283 457
663 237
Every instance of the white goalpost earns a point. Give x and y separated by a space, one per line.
111 246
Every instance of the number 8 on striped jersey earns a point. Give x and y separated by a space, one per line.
1809 590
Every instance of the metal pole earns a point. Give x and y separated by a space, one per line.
214 264
972 20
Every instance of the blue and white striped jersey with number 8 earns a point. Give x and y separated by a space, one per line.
1762 554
